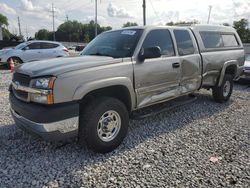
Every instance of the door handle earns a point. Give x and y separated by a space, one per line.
176 65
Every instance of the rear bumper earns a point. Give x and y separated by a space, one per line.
57 122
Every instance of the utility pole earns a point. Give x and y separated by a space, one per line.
144 12
67 17
209 14
95 17
53 19
19 26
27 37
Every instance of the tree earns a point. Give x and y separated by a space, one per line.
182 23
130 24
3 20
242 29
74 31
226 24
6 34
44 34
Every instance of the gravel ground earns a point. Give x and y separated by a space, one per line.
172 149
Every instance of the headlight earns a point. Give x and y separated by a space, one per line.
44 92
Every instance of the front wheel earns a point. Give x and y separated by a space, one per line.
17 61
222 93
103 124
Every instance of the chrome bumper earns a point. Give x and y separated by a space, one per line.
59 130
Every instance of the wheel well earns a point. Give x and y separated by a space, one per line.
231 69
119 92
16 58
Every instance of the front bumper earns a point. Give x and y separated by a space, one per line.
245 75
48 122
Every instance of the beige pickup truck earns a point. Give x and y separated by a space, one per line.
118 73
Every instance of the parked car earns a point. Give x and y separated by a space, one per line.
121 72
33 51
72 47
79 48
245 76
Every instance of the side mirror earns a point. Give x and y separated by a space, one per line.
151 52
25 48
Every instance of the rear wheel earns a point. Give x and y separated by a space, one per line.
222 93
103 124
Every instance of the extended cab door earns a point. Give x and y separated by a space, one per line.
157 79
190 59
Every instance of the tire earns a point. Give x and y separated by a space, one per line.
222 93
94 117
17 61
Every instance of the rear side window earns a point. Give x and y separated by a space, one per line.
184 42
229 40
34 46
45 45
212 39
161 38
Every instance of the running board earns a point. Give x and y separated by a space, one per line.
162 107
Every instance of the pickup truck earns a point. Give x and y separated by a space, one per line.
122 71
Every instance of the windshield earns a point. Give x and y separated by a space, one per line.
20 46
116 44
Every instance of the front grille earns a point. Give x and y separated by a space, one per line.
22 79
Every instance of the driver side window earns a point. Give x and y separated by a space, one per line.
161 38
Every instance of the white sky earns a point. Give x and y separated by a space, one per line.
35 14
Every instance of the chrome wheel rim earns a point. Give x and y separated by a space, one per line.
109 126
226 88
16 62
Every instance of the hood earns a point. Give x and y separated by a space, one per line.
61 65
5 50
247 64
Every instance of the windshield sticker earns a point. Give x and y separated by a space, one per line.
128 32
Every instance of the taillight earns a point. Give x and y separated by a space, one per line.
66 50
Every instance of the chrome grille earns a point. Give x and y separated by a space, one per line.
22 80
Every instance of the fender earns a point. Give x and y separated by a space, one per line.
83 90
223 70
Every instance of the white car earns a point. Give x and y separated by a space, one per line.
246 70
33 51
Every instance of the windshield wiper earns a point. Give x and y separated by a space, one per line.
100 54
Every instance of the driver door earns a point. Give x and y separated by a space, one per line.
32 52
158 79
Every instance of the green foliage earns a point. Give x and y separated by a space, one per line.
3 20
72 31
44 34
130 24
6 34
242 27
182 23
226 24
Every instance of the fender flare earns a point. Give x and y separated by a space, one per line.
223 70
84 89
